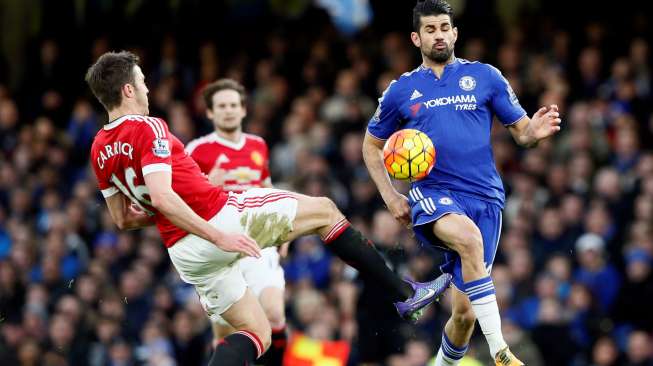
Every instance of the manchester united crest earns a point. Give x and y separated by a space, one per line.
257 158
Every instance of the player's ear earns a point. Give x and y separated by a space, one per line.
455 33
209 113
414 36
128 90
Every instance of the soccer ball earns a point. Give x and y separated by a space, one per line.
409 154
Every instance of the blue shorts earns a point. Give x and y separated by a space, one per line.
428 205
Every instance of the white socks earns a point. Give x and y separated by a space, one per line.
484 304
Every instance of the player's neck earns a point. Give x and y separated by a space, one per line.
233 136
120 111
437 67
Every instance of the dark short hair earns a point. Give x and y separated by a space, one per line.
108 74
430 7
223 84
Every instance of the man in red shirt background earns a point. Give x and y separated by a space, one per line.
238 161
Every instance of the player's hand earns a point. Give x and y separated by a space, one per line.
399 208
239 243
545 122
283 250
135 211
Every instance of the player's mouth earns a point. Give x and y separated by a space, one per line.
440 46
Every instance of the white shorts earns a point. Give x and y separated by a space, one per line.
261 273
265 214
264 272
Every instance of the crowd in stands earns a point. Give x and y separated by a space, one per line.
573 274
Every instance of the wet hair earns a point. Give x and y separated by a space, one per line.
430 7
223 84
109 74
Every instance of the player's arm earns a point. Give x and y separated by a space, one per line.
545 122
169 204
526 131
125 215
382 124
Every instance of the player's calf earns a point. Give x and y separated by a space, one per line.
321 216
463 321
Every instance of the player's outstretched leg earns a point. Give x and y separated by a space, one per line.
320 215
463 236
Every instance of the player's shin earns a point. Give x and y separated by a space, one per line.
357 251
449 354
240 348
484 303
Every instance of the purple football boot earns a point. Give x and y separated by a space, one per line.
425 294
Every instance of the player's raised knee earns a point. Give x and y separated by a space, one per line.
331 211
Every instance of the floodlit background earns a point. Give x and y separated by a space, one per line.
573 273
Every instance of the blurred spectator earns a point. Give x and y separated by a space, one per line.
552 333
639 351
188 344
310 261
605 353
635 298
601 278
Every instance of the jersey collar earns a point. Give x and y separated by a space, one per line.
118 121
450 67
228 143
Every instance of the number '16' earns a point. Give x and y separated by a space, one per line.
136 193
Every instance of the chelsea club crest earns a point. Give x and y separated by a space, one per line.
467 83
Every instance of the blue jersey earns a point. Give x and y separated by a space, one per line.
456 112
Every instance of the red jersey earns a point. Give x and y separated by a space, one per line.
133 146
245 162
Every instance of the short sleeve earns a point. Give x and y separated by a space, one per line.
504 101
155 146
386 118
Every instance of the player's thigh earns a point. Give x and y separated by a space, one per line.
265 214
458 232
247 314
315 215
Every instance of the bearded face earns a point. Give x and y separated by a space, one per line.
436 38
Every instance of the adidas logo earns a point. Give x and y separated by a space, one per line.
416 94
